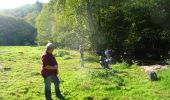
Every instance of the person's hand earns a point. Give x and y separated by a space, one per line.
51 67
56 67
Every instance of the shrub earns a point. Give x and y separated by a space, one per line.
91 59
66 57
167 61
62 53
122 65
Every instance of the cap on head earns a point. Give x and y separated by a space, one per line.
50 46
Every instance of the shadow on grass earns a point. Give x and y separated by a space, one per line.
35 73
88 98
91 98
97 68
1 98
120 72
7 69
106 98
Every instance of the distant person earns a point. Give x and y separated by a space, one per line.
49 72
108 53
81 49
110 60
102 61
107 62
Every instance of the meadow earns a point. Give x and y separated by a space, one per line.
20 77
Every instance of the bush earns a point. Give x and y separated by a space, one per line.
66 57
62 53
167 61
91 59
122 65
102 74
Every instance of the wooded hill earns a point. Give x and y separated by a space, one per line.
17 26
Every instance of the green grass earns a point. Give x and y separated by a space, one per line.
20 78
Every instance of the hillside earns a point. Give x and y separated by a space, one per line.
27 12
15 31
17 26
20 78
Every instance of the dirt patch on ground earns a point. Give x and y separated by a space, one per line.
155 68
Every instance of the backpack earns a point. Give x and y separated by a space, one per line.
152 76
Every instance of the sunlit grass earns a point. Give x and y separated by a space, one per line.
20 78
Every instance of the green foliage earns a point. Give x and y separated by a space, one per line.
44 24
59 22
62 53
91 58
125 24
167 61
164 77
123 65
17 26
66 57
146 30
15 31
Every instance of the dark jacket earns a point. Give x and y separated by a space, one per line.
48 59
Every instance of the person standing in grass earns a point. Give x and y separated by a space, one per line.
50 71
81 56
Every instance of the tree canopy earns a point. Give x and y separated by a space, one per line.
123 24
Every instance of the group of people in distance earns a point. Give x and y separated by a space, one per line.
105 62
50 71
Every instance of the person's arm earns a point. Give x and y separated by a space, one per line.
51 67
45 62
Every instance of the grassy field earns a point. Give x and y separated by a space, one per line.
20 78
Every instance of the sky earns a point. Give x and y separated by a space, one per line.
8 4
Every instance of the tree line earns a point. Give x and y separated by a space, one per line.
124 25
